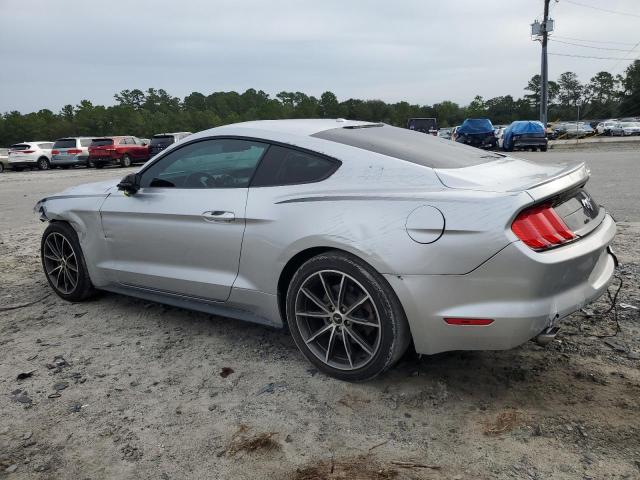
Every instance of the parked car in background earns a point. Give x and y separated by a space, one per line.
625 129
572 130
499 133
120 150
71 151
524 135
270 222
4 159
604 128
161 141
424 125
454 133
477 132
30 155
445 133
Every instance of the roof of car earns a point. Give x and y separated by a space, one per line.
299 126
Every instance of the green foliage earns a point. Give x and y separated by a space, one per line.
144 113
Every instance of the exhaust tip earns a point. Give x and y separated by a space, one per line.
547 336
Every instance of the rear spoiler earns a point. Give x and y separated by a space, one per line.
563 181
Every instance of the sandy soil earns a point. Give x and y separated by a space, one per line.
121 388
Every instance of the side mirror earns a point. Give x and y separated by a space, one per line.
130 184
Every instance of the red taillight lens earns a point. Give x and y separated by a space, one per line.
55 152
74 151
468 321
541 228
27 151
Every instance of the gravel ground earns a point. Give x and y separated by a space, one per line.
121 388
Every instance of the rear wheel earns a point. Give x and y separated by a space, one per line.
345 318
125 161
43 163
1 167
64 264
543 148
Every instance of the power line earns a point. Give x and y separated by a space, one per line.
626 14
591 46
589 56
631 50
592 41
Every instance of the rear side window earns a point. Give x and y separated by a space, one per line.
46 146
65 143
286 166
408 145
20 146
85 142
101 142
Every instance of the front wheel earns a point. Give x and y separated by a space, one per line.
125 161
63 263
345 318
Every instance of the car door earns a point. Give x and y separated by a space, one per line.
182 231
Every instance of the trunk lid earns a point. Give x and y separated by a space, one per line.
509 174
559 185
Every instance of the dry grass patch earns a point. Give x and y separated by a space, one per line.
244 442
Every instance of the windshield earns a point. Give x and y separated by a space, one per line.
101 142
409 145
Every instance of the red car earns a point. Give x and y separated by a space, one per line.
122 151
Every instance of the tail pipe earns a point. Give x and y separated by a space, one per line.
547 336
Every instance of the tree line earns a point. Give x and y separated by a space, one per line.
145 113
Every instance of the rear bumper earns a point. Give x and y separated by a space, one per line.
530 142
523 291
69 160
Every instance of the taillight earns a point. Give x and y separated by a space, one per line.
27 151
74 151
55 152
541 228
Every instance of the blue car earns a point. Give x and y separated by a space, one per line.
523 135
477 132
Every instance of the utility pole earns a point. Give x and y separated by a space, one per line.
544 73
540 31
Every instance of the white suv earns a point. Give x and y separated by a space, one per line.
30 155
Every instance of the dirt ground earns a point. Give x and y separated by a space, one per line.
122 388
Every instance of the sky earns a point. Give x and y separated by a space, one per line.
58 52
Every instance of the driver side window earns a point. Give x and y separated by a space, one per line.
214 163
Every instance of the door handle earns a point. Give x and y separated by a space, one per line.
218 216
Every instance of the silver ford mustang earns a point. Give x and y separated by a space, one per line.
359 237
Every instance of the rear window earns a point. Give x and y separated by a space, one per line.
101 142
65 143
408 145
162 140
20 146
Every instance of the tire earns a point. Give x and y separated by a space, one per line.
543 149
89 164
60 240
378 321
43 163
125 161
1 167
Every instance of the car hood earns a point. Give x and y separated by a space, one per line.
95 188
508 174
